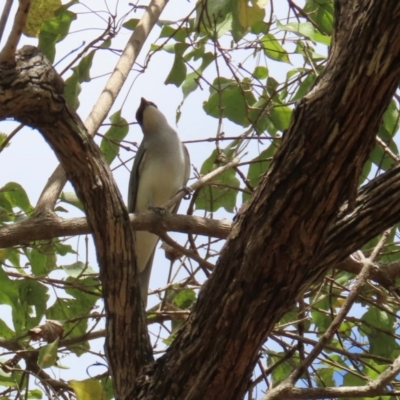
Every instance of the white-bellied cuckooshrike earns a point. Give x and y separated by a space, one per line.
160 169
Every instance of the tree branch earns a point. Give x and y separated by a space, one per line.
30 357
7 54
4 17
50 227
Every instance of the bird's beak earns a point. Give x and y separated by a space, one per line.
144 102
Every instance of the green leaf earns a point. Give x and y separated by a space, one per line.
89 389
8 290
71 198
77 269
320 318
32 294
48 355
35 394
224 26
280 117
9 379
212 15
282 369
272 86
5 331
321 12
110 144
211 198
72 89
170 32
54 30
304 87
185 298
131 24
65 309
231 103
178 71
106 382
13 256
84 67
38 262
261 72
87 299
273 49
376 323
259 165
42 261
62 249
16 196
190 84
258 117
81 73
324 377
391 119
373 369
19 314
6 209
350 379
305 29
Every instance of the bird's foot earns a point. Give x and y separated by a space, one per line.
188 192
160 211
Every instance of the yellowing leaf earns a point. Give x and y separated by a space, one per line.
248 16
40 11
48 355
89 389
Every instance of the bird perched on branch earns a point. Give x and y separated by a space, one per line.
161 168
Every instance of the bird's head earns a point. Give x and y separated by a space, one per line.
149 117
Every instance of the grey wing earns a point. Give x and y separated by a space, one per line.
144 276
186 176
134 178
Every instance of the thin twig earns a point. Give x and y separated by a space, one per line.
10 136
386 149
206 266
8 52
4 17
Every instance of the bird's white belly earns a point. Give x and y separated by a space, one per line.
158 183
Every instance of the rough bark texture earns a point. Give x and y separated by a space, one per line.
275 249
32 93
